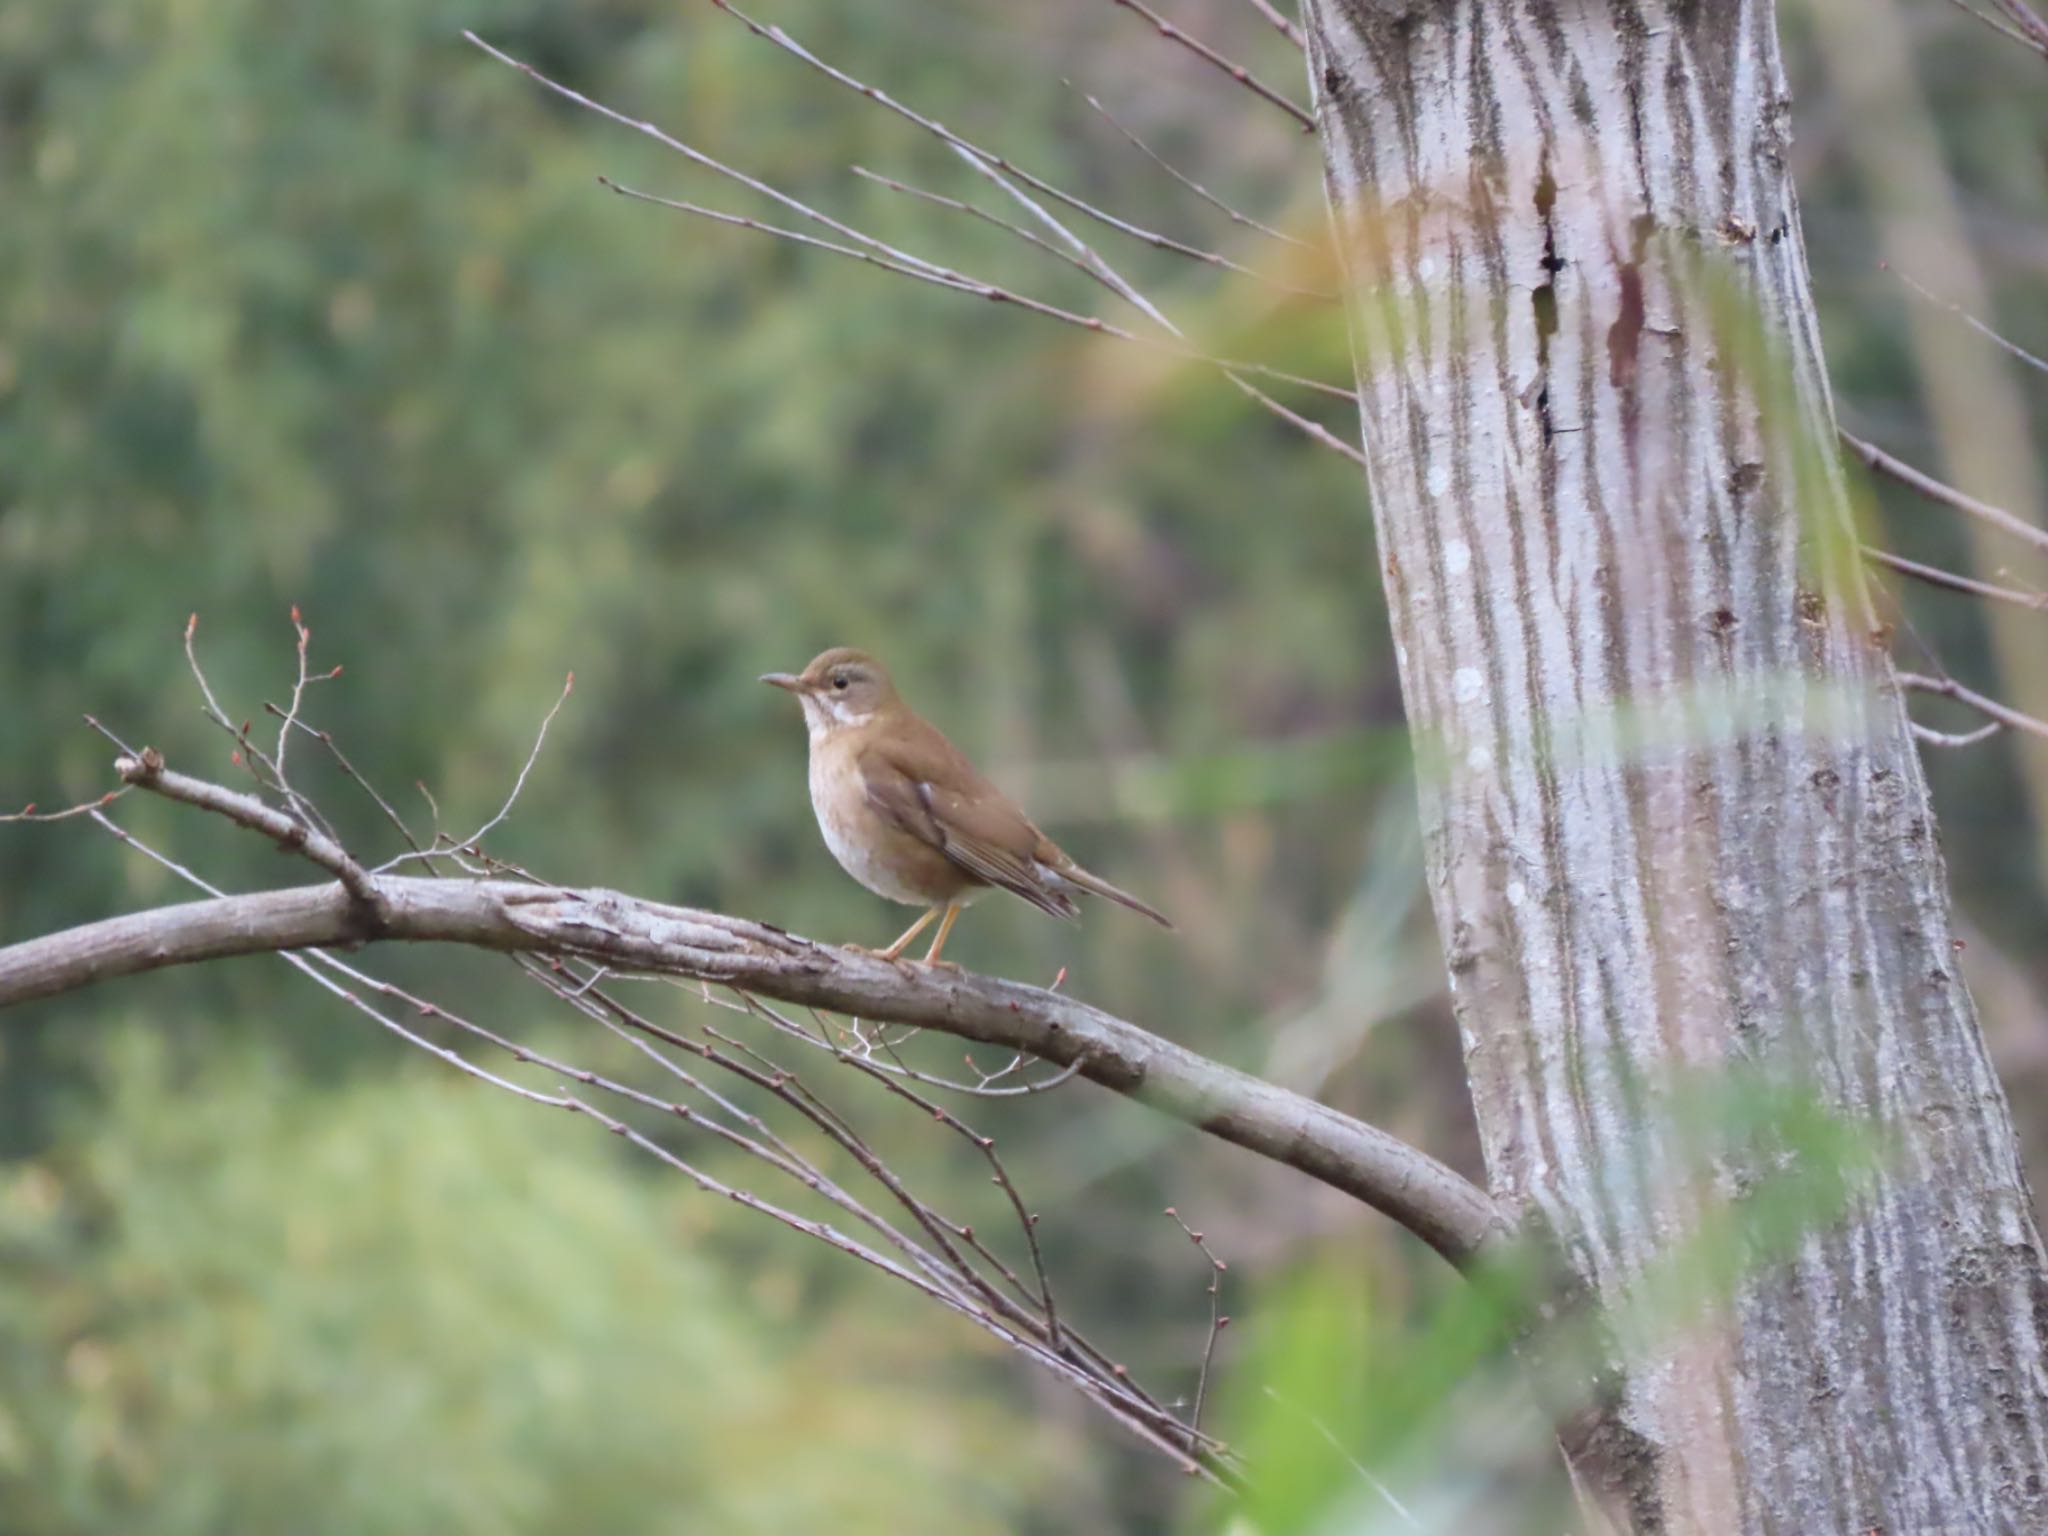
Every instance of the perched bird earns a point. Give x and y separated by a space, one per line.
906 814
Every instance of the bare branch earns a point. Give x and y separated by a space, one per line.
1286 28
1990 708
985 161
2027 21
146 771
350 772
307 969
991 166
1185 180
1935 576
85 808
540 739
2001 28
250 755
261 767
957 205
1436 1204
1210 56
960 282
1929 736
1037 1334
1094 270
288 718
1217 1321
93 723
2011 348
1934 490
697 156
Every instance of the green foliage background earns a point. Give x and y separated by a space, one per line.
314 304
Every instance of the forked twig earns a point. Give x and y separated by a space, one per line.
473 844
1990 708
1218 1320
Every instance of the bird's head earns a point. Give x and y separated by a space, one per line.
841 687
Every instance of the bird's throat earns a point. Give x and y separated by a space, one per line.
825 717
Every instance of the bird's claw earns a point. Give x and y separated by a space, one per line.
871 953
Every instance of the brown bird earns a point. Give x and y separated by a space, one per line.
906 814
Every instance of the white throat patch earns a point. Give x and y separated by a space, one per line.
823 713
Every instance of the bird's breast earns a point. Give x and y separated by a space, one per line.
866 846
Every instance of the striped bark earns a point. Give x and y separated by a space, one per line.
1675 820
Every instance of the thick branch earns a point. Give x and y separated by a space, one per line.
1446 1211
291 834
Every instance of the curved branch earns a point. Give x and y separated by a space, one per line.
1432 1201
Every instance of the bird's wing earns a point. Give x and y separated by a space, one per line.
922 784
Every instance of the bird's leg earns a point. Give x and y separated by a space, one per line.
931 956
908 934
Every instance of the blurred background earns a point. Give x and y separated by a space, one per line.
317 305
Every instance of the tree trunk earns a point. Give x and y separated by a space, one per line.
1674 816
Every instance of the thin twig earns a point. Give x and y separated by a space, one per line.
1185 180
349 771
1934 490
146 770
305 967
958 205
788 1026
2001 28
84 808
1112 1393
2027 19
290 717
1990 708
960 282
2011 348
1000 1175
266 771
1953 581
247 753
1218 1321
1210 56
995 167
1933 738
1057 1337
473 843
696 156
1286 28
983 159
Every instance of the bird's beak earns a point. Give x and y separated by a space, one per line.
783 680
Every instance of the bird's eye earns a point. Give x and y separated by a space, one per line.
839 681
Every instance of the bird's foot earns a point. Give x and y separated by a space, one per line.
896 960
939 965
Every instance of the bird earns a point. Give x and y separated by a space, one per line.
908 816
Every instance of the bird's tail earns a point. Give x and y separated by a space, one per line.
1074 874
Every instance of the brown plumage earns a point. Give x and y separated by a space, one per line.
909 817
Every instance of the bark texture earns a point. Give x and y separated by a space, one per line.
1675 820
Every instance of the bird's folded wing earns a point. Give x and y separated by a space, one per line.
934 794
